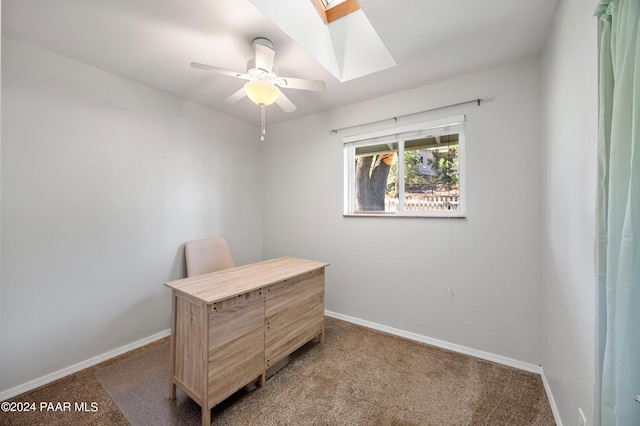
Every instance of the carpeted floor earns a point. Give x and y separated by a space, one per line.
357 377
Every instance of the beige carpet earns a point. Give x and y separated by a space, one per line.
357 377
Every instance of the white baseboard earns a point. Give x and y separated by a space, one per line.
439 343
10 393
552 401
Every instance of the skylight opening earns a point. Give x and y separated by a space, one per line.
330 10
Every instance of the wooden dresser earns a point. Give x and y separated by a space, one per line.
230 326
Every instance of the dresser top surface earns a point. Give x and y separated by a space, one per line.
220 285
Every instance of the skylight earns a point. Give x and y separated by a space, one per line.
330 10
348 47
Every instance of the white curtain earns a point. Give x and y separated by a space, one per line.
618 215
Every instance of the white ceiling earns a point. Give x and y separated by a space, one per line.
153 42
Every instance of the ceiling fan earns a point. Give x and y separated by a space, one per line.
263 85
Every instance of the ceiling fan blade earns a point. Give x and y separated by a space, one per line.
264 54
235 97
222 71
284 103
302 84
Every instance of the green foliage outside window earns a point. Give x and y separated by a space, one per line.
444 164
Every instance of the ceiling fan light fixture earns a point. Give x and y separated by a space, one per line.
261 92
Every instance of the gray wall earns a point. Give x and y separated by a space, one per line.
103 180
569 139
397 272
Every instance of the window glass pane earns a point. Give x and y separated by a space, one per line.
373 177
432 174
331 3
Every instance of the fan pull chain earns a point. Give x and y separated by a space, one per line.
262 117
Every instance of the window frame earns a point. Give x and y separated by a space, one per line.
330 13
399 135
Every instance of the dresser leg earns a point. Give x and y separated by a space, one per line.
262 379
206 416
172 391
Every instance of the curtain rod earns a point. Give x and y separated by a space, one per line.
477 100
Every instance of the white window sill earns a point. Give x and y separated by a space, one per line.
444 215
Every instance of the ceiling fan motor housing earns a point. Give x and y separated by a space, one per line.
260 74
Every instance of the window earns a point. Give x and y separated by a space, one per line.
415 170
330 10
331 3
